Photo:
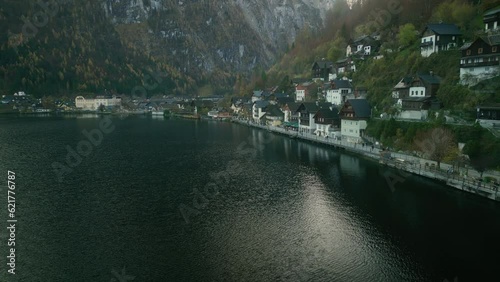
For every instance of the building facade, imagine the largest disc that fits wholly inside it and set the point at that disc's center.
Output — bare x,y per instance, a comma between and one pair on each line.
94,104
354,116
338,91
439,37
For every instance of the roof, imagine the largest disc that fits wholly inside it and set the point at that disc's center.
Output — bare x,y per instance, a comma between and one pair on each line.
291,124
416,99
280,95
429,78
258,93
360,107
293,106
361,38
444,29
313,107
492,11
304,86
341,83
341,61
261,104
466,45
274,111
492,40
489,106
300,80
327,113
284,100
323,64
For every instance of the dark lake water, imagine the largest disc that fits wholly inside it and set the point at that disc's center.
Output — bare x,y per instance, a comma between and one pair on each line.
260,207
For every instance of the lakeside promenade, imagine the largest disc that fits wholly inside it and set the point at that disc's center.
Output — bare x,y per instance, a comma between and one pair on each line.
466,179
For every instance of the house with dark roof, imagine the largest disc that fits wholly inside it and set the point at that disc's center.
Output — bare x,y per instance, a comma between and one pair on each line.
491,18
238,103
291,113
306,112
259,109
354,115
488,114
322,70
480,59
362,46
327,121
415,95
338,91
283,100
274,116
344,65
439,37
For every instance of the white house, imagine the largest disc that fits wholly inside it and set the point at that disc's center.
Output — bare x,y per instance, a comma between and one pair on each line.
365,45
353,116
302,91
439,37
338,91
259,110
94,104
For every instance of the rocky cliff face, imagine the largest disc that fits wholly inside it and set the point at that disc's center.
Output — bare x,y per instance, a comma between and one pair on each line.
208,34
201,41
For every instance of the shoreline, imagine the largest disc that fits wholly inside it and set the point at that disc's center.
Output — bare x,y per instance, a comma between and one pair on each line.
401,162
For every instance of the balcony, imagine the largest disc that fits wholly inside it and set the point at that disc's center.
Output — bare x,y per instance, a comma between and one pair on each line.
480,64
425,44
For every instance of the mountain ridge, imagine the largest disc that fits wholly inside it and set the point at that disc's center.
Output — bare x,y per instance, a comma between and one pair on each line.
112,44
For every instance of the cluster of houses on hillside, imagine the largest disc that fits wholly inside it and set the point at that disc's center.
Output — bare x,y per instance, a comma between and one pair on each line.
341,114
415,94
330,105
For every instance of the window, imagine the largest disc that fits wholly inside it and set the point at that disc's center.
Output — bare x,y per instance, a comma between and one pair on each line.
453,38
468,52
422,92
437,39
480,50
494,49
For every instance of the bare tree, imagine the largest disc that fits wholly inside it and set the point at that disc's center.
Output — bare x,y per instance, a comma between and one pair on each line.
435,144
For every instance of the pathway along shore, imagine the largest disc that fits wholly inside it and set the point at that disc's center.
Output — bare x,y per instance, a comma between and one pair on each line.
402,162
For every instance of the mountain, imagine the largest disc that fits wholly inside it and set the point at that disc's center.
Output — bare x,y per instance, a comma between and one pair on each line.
163,46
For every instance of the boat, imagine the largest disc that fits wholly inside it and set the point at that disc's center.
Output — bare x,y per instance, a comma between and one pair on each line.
158,113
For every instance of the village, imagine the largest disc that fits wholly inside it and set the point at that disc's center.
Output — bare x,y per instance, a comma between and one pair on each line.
326,104
328,107
330,104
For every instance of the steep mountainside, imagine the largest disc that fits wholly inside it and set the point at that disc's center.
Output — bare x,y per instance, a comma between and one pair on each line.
89,46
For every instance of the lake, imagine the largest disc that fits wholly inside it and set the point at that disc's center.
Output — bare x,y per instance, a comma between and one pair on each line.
153,199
